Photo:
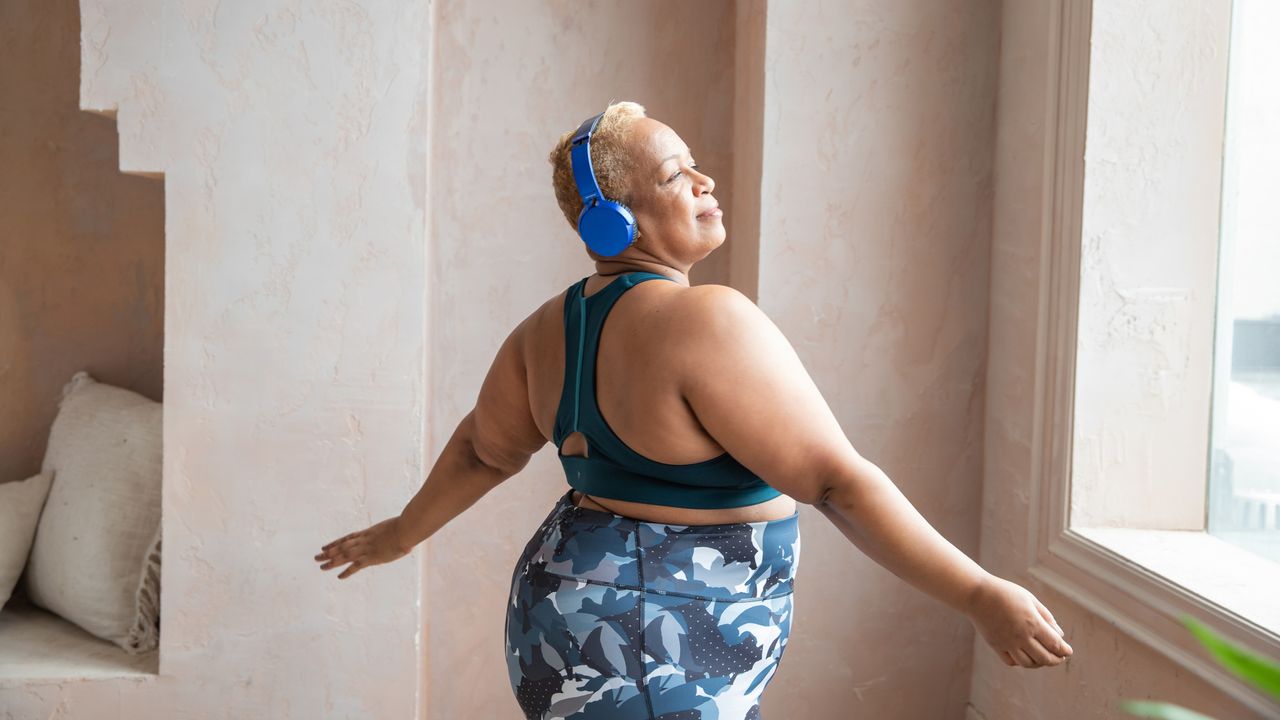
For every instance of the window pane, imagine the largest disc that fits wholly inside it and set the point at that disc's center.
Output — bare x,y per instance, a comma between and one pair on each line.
1244,478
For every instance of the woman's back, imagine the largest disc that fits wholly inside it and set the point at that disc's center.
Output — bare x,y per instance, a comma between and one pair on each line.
641,367
648,609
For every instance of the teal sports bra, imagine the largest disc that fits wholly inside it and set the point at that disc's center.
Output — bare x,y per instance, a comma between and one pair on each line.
614,470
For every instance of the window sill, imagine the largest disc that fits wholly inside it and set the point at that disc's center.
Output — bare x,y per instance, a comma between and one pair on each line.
1238,581
1143,582
38,646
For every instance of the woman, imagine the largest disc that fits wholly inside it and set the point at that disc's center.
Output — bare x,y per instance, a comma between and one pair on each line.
671,598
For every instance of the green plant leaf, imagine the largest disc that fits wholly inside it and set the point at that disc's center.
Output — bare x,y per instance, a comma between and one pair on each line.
1159,710
1256,669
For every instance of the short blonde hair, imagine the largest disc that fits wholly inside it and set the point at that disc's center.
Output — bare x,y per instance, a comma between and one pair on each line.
609,159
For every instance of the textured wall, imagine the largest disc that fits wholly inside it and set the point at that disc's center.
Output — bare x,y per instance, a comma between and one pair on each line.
875,223
1107,664
509,79
292,138
302,262
81,245
1149,263
750,18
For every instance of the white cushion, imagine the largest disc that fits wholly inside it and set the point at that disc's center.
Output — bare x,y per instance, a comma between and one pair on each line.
20,505
96,556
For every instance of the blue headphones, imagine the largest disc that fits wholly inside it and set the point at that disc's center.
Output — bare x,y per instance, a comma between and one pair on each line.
607,227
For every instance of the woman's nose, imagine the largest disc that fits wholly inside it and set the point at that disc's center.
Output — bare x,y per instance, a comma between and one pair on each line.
708,184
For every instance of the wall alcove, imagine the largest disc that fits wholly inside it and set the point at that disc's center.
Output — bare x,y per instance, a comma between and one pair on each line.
82,258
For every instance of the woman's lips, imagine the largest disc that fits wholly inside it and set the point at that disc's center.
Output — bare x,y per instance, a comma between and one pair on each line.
713,212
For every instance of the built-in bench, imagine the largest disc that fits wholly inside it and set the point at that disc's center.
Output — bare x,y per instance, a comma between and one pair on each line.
36,645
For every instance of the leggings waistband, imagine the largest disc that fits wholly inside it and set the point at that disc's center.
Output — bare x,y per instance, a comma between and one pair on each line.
729,561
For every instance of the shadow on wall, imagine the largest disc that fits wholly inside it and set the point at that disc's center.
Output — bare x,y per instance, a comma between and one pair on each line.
82,266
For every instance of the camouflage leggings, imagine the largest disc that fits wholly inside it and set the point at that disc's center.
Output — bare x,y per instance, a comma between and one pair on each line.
612,618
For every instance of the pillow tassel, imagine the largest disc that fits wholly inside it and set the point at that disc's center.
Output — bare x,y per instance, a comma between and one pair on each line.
145,633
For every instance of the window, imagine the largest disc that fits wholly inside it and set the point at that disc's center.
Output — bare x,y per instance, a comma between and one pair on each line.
1244,487
1159,161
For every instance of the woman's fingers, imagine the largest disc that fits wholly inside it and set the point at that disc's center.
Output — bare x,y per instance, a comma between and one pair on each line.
1040,654
345,538
374,545
348,545
1048,616
347,555
1008,659
341,546
335,542
341,561
1054,643
351,550
1036,652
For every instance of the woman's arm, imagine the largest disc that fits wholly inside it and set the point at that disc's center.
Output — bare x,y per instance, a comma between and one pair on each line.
876,517
493,442
457,480
751,393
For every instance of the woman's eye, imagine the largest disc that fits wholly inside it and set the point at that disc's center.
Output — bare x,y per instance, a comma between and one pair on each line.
678,173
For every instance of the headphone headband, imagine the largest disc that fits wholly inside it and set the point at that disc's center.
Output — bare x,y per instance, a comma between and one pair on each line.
583,173
606,226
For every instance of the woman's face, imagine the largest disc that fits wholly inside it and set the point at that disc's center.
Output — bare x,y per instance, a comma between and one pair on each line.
670,198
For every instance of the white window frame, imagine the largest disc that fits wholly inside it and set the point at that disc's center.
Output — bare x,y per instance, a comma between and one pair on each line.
1137,601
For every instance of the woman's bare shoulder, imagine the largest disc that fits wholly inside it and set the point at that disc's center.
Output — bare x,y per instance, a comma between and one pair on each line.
751,392
674,311
712,309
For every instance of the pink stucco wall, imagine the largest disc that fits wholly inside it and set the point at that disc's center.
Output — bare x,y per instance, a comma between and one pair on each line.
350,190
876,201
357,211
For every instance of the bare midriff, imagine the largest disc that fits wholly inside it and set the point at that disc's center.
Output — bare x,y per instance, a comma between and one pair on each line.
774,509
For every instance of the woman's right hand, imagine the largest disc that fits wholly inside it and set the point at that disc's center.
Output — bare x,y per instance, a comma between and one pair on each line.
1016,625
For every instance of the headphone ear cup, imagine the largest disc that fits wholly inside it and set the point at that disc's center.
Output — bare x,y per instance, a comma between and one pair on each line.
607,227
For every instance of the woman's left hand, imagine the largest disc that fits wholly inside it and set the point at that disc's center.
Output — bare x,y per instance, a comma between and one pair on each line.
375,545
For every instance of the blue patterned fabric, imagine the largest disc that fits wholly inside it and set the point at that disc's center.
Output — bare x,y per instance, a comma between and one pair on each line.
612,618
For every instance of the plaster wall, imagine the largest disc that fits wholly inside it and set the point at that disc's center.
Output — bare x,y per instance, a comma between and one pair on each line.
292,138
1107,664
875,202
81,245
323,328
748,146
